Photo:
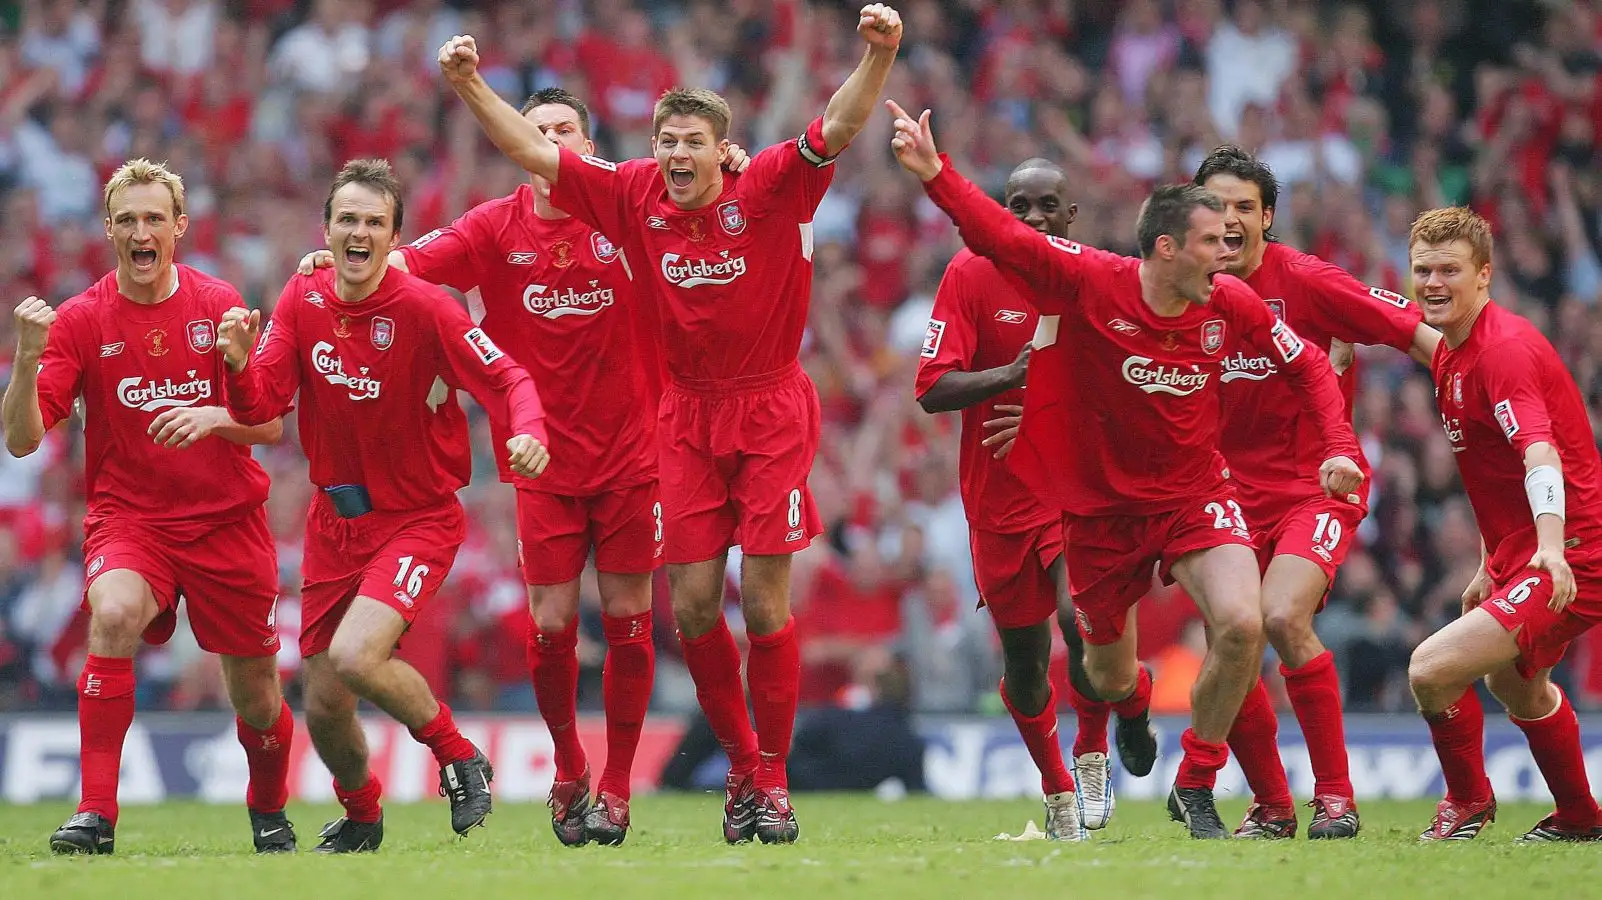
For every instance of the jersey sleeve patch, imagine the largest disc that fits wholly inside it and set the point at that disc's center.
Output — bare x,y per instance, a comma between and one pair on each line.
932,338
485,348
1285,341
1505,418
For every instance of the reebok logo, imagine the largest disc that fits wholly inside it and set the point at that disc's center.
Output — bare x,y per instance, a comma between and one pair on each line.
111,349
136,393
1009,316
690,273
1163,379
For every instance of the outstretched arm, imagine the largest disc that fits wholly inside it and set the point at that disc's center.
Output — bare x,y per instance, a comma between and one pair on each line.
852,104
517,137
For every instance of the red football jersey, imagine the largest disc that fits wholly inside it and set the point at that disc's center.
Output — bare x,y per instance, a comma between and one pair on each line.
734,278
130,362
376,377
560,298
1504,389
1133,428
980,321
1270,439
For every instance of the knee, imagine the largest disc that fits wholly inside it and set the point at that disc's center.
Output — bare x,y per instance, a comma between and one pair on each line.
1428,673
551,615
119,615
1025,671
260,704
1238,630
352,660
1111,677
695,613
1285,627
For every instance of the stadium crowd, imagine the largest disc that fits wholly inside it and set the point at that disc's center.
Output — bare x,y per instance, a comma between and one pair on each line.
1367,112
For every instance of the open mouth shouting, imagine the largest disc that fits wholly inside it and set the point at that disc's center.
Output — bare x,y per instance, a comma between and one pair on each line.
1233,241
681,176
144,259
1435,301
358,256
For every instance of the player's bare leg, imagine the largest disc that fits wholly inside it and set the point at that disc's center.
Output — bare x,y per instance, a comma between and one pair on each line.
362,653
341,744
266,729
626,694
1293,588
554,669
1113,672
1026,691
773,675
696,590
1224,583
121,605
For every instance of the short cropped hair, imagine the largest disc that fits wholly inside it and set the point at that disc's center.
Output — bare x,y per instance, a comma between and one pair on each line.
557,95
1167,211
143,171
1453,223
698,102
372,173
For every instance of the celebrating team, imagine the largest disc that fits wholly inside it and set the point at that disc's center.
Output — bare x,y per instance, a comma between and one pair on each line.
1181,378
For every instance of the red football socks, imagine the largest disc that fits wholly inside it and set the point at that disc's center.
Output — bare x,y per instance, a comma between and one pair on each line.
1203,759
1254,739
1039,733
362,804
105,710
1091,718
1138,701
553,666
442,737
1459,735
267,755
774,676
714,663
626,694
1555,744
1315,695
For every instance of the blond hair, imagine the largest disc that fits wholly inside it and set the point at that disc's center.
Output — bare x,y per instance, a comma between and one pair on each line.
1453,223
698,102
143,171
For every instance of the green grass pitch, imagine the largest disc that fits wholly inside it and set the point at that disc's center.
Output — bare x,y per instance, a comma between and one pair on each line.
851,846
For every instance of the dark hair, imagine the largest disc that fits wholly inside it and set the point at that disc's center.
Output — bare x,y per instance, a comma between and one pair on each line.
1232,160
1167,211
562,97
696,102
372,173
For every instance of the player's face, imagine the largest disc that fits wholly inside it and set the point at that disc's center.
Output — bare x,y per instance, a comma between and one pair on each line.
1450,288
561,124
689,157
1246,221
1038,198
1203,256
145,229
360,232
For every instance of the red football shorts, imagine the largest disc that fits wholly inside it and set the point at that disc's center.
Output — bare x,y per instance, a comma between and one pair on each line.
555,533
228,578
1013,572
397,558
1320,530
1519,602
736,456
1110,558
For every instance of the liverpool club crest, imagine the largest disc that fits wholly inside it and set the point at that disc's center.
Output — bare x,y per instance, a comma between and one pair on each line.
202,335
731,218
383,332
604,249
1212,336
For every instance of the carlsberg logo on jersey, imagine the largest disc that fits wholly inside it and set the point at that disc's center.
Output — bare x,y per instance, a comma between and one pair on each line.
568,302
149,396
1161,379
1251,368
332,368
695,272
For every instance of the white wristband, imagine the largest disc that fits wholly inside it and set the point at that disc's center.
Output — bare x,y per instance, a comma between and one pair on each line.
1544,486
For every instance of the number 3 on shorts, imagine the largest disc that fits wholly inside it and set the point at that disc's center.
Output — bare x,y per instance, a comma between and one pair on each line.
413,585
656,513
795,509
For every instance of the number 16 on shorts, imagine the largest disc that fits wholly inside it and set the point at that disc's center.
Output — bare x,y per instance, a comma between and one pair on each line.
409,577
